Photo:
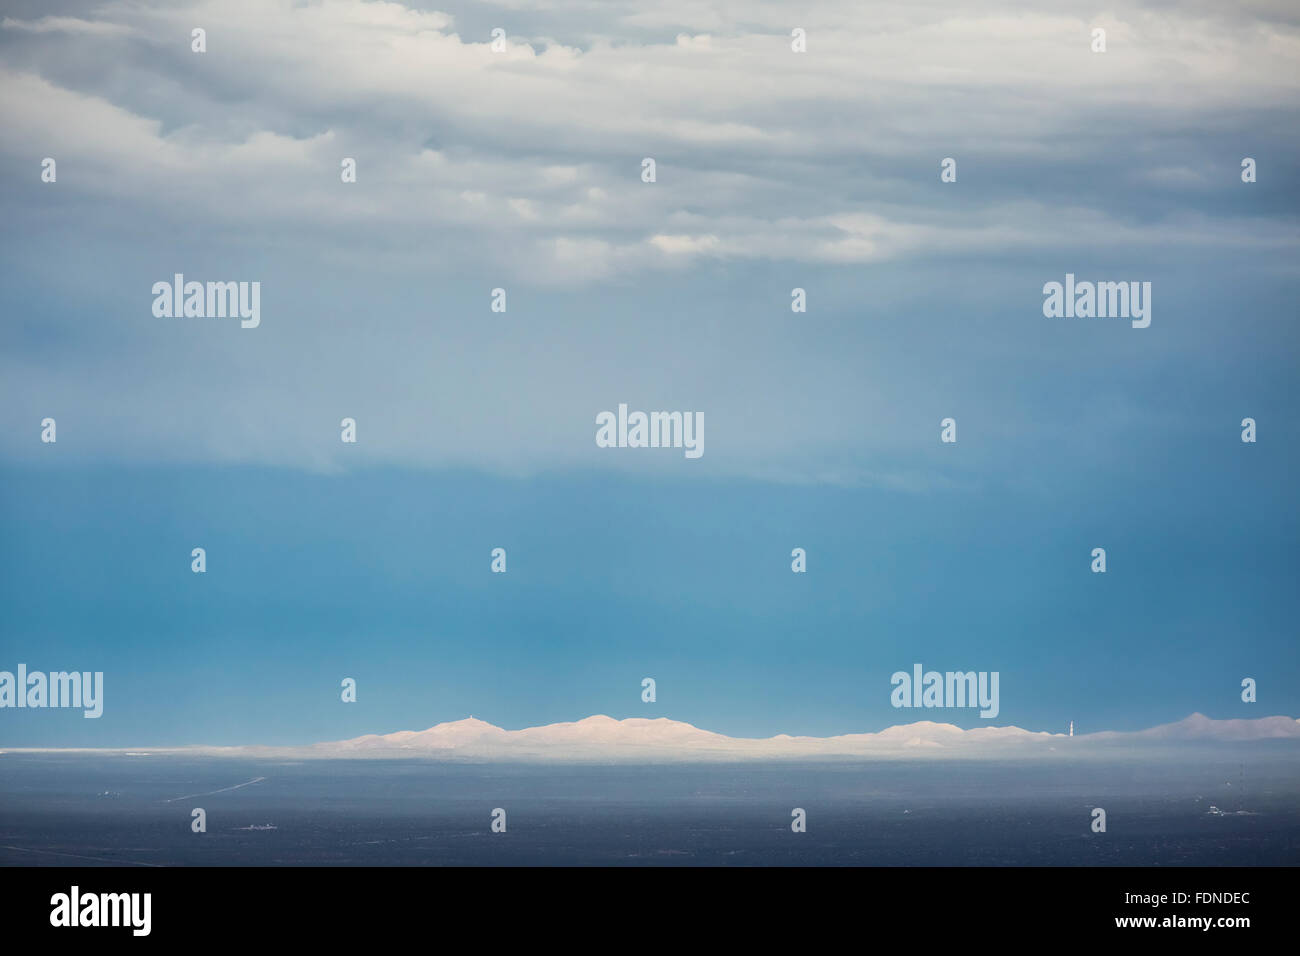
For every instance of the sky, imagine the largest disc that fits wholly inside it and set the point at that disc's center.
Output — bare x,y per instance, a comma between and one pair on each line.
522,170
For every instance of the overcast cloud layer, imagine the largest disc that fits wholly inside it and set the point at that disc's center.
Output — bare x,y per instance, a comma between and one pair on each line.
521,169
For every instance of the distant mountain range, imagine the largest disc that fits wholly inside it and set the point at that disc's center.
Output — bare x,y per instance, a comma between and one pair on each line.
661,739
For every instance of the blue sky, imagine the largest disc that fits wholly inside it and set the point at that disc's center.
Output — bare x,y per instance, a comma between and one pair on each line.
476,429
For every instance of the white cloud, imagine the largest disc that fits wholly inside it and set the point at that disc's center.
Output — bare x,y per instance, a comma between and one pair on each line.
523,169
65,25
768,153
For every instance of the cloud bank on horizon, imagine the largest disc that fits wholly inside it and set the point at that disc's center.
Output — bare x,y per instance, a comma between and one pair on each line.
600,737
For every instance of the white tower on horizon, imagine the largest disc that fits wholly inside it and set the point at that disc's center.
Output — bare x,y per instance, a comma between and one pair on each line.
1071,728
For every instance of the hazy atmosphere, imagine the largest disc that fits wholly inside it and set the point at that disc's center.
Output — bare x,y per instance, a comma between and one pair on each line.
522,169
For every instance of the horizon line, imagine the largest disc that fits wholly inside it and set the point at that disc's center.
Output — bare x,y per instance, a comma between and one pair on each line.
1196,718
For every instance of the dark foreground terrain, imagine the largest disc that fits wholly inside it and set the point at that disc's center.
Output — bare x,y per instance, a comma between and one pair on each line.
67,809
